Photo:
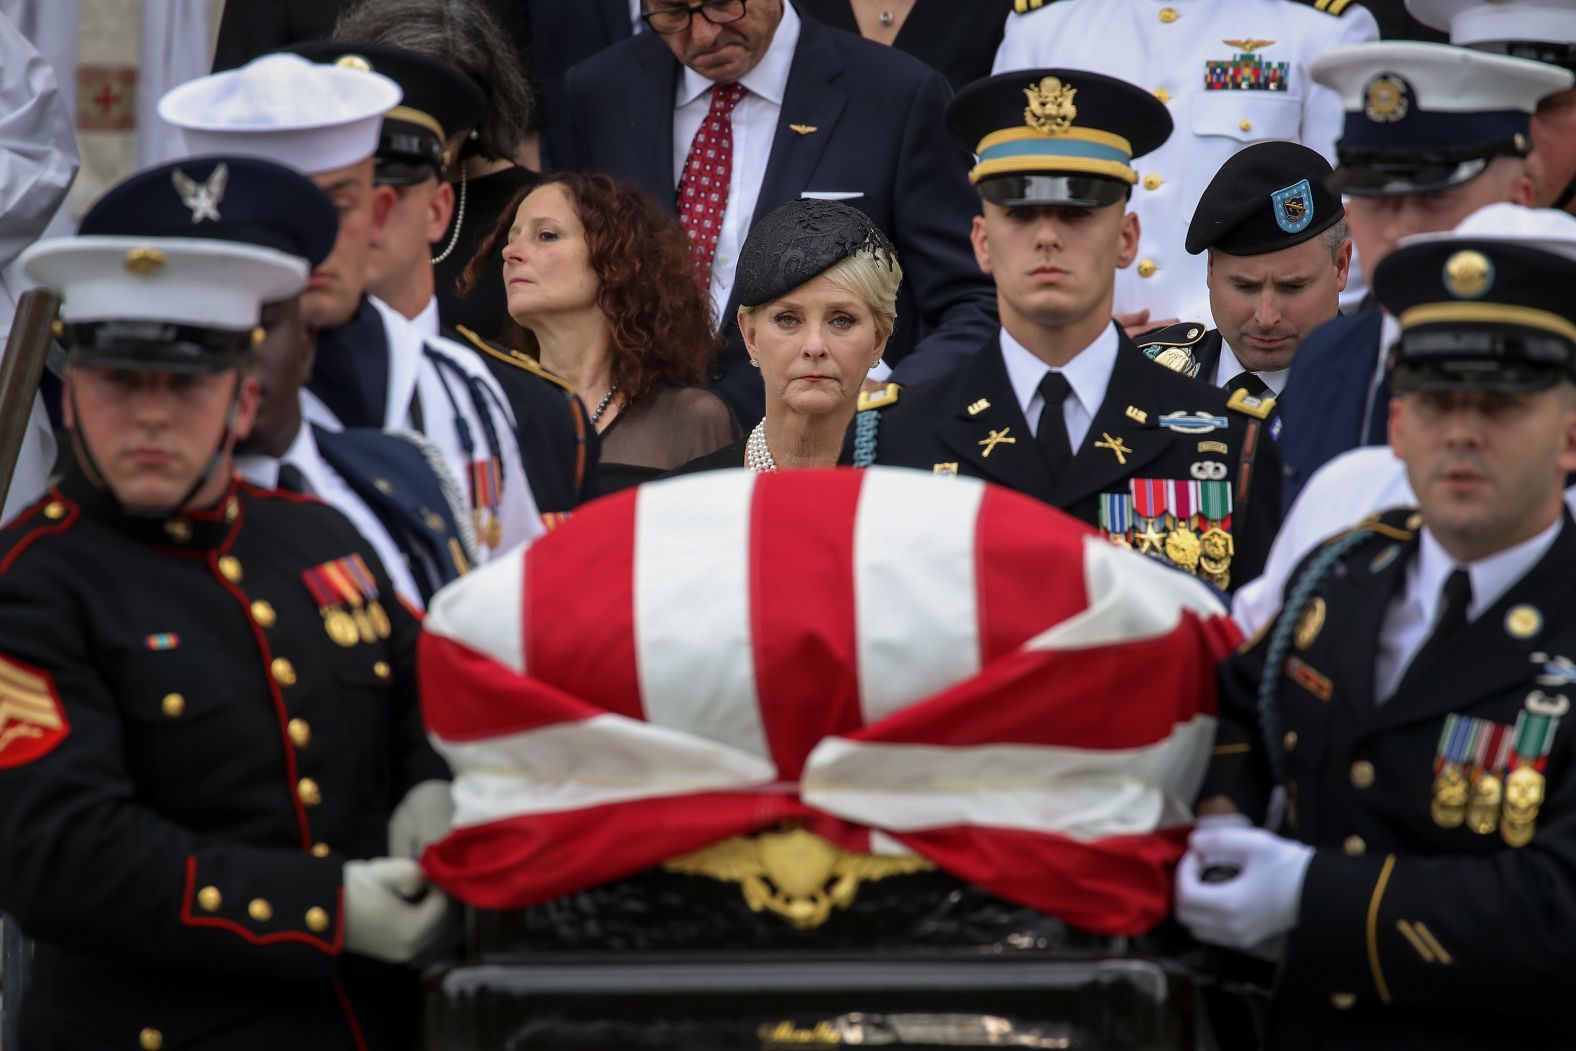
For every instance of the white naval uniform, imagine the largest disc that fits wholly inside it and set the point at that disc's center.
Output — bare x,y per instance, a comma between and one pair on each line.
413,375
326,484
1165,46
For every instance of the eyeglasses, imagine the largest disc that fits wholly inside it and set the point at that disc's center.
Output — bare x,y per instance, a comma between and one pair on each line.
677,19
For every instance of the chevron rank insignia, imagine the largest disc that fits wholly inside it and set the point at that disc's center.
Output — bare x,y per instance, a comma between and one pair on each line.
32,722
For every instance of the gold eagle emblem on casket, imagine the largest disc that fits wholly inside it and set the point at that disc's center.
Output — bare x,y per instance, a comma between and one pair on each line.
793,872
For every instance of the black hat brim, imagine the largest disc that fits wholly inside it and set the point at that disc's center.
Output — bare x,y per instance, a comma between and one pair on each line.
1048,190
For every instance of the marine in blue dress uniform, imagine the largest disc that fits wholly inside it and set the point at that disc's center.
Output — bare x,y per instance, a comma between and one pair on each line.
1412,699
208,719
1433,132
1164,463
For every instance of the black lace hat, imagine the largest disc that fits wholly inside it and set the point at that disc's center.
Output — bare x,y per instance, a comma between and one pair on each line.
800,241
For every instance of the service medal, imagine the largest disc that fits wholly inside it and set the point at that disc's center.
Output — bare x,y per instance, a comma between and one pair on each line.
1182,548
1483,808
1524,793
380,620
340,627
364,625
1449,808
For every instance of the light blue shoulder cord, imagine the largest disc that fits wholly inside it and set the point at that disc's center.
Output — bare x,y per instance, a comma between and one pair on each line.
1297,600
865,425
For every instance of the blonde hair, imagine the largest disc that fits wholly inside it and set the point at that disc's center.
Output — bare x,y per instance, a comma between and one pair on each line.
869,273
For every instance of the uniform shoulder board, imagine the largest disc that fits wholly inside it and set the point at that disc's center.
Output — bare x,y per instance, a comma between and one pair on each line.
1330,7
1028,7
513,357
1245,403
1187,334
879,399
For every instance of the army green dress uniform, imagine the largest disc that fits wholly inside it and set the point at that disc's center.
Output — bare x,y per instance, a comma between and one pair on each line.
1170,465
1436,908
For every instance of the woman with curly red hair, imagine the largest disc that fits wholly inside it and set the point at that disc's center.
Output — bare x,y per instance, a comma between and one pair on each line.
601,288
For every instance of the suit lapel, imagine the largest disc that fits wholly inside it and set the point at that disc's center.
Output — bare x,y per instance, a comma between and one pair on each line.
1490,658
646,100
809,101
1096,467
1209,358
1366,594
988,431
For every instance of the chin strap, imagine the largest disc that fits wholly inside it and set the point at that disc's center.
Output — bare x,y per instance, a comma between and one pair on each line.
79,442
1564,199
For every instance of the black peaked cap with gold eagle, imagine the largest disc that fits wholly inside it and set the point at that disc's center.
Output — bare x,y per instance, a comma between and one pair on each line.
1056,136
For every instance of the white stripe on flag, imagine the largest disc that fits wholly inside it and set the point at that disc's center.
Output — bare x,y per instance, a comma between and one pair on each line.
1131,597
606,759
915,597
1081,793
693,648
482,610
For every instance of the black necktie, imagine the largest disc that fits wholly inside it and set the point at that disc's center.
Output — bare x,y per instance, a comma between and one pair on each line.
1051,436
1454,599
1247,381
291,480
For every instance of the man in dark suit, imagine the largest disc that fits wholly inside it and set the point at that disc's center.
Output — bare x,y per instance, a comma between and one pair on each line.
1412,699
1432,134
802,110
561,36
1060,404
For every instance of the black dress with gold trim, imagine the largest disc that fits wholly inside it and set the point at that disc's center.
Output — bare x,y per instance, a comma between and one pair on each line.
1436,907
1171,466
202,717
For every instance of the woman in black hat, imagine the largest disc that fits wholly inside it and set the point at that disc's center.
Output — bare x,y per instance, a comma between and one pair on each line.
817,284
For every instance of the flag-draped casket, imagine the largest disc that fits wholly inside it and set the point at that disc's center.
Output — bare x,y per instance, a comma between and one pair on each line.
890,670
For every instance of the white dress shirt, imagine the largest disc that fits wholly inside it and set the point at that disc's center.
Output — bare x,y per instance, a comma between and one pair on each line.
426,322
326,484
1229,368
1088,374
1412,614
754,126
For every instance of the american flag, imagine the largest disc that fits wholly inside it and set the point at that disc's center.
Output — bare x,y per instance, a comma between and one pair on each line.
899,662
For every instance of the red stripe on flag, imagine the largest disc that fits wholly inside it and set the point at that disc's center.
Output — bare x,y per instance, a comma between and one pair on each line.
798,710
580,626
467,696
1021,580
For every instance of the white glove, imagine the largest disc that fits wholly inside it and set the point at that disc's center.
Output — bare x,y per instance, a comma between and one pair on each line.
422,818
381,919
1257,904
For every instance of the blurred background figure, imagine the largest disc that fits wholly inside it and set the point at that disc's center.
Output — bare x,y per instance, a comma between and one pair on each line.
1232,73
818,284
602,292
958,41
562,36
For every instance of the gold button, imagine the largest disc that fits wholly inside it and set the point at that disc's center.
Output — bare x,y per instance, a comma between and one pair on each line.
178,530
232,509
263,613
382,670
1290,741
316,920
150,1040
320,850
1414,520
283,672
1246,125
1354,845
260,910
1169,15
308,792
1147,268
1152,182
1343,1001
54,510
209,899
1362,774
230,566
300,733
174,705
1163,95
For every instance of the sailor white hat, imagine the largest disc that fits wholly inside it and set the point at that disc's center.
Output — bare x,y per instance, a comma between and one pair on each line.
196,282
1472,22
1550,229
283,108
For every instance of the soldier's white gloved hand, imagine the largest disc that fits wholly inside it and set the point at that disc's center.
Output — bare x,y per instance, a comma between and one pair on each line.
422,818
1258,903
384,918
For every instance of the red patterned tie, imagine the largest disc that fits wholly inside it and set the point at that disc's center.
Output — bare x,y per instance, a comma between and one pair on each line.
703,189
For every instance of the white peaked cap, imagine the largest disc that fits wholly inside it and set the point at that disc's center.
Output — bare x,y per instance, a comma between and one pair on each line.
285,109
1485,21
201,282
1447,79
1546,228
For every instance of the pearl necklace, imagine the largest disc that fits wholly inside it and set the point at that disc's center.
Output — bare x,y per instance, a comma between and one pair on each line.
459,221
757,457
601,406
